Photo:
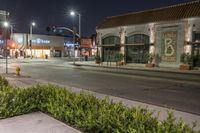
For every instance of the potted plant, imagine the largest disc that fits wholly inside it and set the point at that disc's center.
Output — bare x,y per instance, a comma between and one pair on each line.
186,60
97,59
149,58
119,57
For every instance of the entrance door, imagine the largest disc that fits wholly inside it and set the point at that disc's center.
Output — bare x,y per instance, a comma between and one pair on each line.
109,53
196,54
136,53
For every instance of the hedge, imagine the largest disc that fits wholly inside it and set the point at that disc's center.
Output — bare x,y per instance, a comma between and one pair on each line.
84,111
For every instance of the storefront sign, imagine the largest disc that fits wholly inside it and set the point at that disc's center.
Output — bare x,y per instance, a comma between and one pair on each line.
86,43
169,44
70,43
40,41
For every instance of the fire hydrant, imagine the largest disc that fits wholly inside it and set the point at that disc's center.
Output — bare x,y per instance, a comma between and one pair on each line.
18,71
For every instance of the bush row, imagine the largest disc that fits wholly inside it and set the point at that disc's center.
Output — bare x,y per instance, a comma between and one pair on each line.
84,111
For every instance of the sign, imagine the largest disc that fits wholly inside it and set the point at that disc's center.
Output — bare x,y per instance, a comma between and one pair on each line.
169,44
70,43
86,43
40,41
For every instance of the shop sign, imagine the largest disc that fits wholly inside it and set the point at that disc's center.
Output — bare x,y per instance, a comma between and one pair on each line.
86,42
40,41
169,44
70,43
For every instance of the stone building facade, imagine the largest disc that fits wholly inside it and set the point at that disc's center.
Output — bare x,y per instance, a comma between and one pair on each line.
166,33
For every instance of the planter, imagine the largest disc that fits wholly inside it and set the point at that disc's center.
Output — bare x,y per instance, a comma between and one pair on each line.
185,67
98,62
150,65
120,63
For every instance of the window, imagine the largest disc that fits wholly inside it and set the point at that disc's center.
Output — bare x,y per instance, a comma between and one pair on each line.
137,38
111,40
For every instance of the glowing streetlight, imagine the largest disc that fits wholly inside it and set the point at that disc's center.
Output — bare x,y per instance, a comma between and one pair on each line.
73,13
6,25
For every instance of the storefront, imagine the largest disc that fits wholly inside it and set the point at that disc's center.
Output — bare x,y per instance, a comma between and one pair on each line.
85,47
164,33
40,46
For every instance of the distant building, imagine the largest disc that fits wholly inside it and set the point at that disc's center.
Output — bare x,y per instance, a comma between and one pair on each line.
42,46
3,17
166,32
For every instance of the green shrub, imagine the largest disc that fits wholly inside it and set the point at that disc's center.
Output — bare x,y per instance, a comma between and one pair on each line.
85,111
3,82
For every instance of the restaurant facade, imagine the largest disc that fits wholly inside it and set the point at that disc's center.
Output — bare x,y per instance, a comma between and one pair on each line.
166,33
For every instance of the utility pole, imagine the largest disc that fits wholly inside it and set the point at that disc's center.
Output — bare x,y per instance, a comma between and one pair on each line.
74,39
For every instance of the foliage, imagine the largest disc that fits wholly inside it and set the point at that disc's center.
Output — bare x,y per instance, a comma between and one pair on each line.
149,57
3,82
97,58
85,111
186,58
119,57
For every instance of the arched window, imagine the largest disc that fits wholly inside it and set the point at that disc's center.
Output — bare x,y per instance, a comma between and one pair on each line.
111,40
137,38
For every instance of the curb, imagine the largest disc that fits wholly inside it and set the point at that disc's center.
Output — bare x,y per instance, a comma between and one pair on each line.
181,76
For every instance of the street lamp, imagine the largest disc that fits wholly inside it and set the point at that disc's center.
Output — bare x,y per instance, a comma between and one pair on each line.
73,13
6,25
31,34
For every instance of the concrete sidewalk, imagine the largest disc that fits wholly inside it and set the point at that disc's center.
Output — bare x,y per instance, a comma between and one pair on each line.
34,123
186,117
139,67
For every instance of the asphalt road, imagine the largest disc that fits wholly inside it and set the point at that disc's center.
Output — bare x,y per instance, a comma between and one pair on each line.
168,93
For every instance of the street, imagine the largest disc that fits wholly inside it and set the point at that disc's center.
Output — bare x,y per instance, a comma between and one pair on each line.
174,94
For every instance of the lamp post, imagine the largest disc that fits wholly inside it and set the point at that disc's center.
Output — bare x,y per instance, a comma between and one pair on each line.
6,25
73,13
31,34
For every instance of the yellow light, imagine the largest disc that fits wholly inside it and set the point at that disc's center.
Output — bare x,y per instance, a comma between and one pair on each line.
13,45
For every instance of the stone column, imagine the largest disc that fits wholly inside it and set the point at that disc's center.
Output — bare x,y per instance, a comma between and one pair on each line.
122,40
99,43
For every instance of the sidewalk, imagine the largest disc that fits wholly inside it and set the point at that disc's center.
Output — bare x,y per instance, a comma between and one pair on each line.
170,74
186,117
137,67
37,122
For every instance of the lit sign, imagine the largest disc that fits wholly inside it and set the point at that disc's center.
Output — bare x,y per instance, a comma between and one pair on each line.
20,40
69,43
40,41
1,41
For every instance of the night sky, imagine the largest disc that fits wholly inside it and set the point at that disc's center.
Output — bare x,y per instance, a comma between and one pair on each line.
56,12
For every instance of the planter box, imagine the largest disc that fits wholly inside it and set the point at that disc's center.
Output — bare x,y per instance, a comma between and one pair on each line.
120,63
98,62
149,65
185,67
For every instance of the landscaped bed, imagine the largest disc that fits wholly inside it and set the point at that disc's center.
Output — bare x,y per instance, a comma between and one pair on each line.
84,111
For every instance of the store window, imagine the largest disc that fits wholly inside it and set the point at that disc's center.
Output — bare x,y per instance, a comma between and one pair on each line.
136,48
196,49
111,40
109,52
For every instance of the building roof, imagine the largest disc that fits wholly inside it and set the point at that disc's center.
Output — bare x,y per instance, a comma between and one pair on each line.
175,12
